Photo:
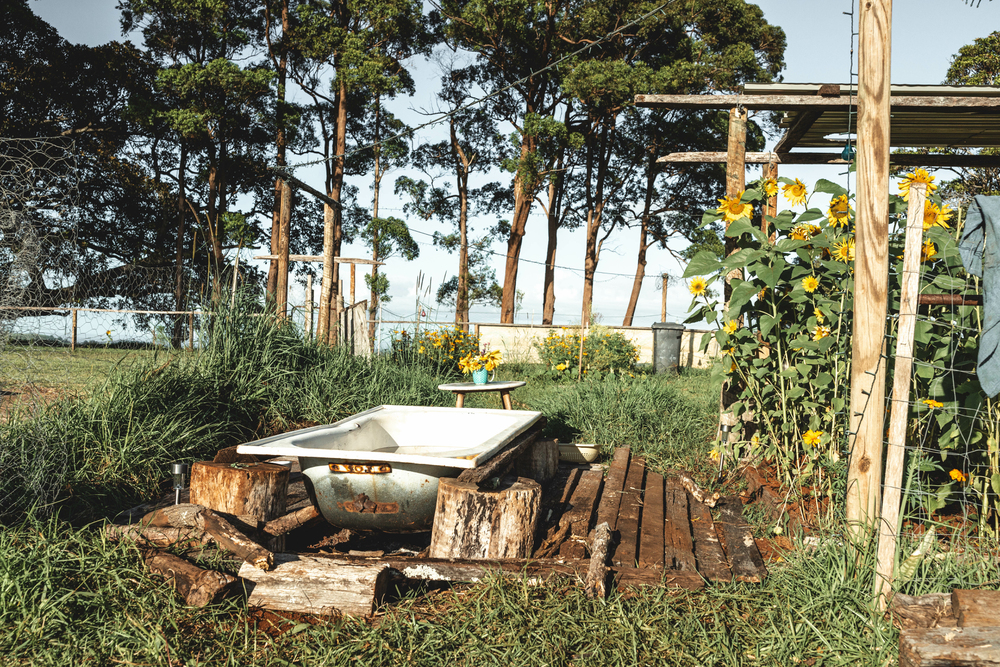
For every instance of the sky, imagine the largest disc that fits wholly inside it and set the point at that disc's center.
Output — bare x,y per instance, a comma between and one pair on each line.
926,35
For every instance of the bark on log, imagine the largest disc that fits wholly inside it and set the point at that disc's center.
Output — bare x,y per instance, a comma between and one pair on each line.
598,571
956,647
499,465
317,585
258,490
976,609
230,539
539,461
475,523
924,611
696,491
291,521
198,587
153,536
744,558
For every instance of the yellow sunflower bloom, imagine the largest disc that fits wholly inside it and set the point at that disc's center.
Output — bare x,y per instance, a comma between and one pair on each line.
811,437
804,232
697,286
931,403
821,331
810,283
958,476
732,209
770,187
795,192
820,318
839,213
936,215
927,252
844,250
730,327
918,176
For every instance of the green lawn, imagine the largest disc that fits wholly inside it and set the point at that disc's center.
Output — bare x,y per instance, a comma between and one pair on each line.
68,372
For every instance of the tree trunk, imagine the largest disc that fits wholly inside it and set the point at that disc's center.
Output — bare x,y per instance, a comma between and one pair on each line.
640,269
280,144
257,490
523,198
553,215
176,338
462,166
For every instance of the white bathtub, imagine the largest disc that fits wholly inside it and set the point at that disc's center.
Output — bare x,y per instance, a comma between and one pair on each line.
379,469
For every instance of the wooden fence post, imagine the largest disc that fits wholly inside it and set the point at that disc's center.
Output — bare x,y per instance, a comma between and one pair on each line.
871,268
284,230
891,489
323,325
72,338
191,331
309,307
663,300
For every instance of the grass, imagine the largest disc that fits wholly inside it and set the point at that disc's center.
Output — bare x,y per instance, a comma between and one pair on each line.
69,597
55,367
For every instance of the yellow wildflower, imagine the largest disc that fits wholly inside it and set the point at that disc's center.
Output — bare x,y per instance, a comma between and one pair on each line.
958,476
931,403
936,215
811,437
927,252
730,327
839,213
821,331
820,318
804,232
561,367
770,187
918,176
795,192
844,250
715,454
697,286
732,209
810,283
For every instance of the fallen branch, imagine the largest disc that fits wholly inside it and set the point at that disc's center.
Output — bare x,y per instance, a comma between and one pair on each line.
198,587
230,539
598,571
153,536
696,491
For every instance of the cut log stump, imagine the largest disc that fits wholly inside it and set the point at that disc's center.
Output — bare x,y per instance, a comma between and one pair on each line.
198,587
539,461
475,523
258,490
957,647
317,585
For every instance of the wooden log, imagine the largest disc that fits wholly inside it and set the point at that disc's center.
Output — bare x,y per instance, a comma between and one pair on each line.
950,299
628,515
597,572
976,609
898,159
708,552
678,547
955,647
744,558
539,461
257,490
699,494
230,455
183,515
607,509
151,536
578,517
923,611
939,103
230,539
198,587
652,532
291,521
317,585
498,466
472,523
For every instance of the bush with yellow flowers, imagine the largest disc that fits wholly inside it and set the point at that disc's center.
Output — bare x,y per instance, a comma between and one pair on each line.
604,351
439,349
786,337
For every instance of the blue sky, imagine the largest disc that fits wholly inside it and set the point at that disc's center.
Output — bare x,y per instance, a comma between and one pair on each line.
926,34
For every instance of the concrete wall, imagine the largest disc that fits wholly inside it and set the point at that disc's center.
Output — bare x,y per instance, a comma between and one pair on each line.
516,342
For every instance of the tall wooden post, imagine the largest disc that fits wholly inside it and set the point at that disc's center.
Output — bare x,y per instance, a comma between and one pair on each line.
72,336
736,171
892,490
663,300
326,289
309,307
871,268
770,203
284,231
352,284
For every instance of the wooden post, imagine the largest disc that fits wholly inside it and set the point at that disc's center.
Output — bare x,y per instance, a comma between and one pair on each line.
309,308
284,230
258,490
771,203
323,324
72,335
353,301
900,392
736,169
871,268
191,331
663,300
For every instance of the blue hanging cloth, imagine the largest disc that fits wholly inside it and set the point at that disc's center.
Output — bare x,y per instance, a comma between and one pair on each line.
980,251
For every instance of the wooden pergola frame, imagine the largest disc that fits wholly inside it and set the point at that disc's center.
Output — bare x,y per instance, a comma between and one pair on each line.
976,114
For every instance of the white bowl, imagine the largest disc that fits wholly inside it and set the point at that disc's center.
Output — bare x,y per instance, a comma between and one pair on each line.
579,453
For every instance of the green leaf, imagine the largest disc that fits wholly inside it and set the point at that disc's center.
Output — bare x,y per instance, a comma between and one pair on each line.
810,215
741,258
738,228
704,263
995,482
949,283
829,187
822,379
771,274
767,323
743,291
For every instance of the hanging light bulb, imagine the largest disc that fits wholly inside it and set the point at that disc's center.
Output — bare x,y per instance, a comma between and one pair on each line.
848,152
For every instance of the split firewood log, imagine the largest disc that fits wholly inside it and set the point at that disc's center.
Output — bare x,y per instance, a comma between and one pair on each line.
198,587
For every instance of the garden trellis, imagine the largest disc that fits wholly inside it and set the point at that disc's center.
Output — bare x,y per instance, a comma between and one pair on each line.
922,117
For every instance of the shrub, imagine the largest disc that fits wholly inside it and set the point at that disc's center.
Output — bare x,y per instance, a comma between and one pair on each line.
438,350
604,351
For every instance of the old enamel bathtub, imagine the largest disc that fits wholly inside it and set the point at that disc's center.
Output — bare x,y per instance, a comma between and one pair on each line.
379,469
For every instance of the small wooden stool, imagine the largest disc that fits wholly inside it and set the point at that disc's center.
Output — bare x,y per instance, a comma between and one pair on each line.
460,389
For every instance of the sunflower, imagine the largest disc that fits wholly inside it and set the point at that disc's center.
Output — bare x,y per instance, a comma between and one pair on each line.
732,209
936,215
730,327
839,212
918,176
811,437
820,318
927,252
770,187
810,283
795,192
804,232
844,250
958,476
697,286
821,331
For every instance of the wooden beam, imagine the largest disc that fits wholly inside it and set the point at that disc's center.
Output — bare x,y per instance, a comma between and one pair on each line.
942,103
311,190
802,123
871,269
902,374
319,258
898,159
